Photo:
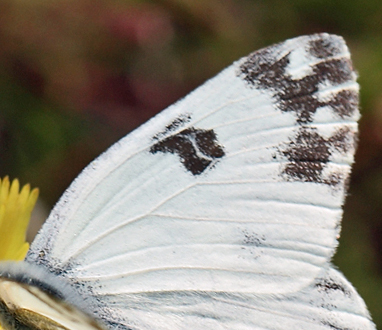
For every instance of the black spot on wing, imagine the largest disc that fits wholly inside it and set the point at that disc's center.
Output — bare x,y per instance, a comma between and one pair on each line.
299,97
178,122
197,149
308,153
253,243
332,326
336,71
323,47
264,69
328,285
117,325
345,103
253,239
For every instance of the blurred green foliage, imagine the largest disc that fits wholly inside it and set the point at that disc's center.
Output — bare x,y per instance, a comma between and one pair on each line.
76,75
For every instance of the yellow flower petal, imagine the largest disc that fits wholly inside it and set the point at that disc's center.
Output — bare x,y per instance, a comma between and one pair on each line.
15,210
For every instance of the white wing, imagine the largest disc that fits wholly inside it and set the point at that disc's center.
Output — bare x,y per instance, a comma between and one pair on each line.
237,189
329,302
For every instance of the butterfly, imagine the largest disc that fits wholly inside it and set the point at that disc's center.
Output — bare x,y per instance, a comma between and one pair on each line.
221,212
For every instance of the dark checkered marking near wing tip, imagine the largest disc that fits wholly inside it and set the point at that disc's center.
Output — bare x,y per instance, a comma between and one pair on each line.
324,47
197,149
308,153
264,70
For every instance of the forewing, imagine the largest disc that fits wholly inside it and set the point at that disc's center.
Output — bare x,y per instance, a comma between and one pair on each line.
237,188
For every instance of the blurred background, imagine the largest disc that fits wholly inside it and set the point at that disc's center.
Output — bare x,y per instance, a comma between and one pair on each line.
77,75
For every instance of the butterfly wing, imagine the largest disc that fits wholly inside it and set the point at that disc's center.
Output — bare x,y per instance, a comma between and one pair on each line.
235,189
329,302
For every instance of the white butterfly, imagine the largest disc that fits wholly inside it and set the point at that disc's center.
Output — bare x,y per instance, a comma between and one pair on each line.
222,212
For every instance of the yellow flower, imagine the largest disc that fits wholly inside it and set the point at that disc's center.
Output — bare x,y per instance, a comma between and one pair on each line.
15,211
